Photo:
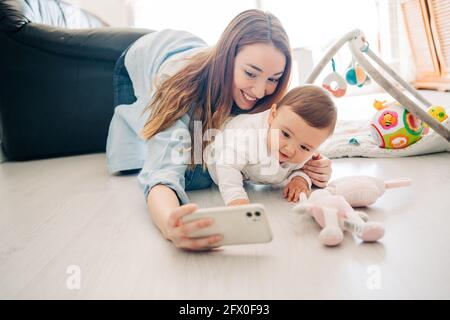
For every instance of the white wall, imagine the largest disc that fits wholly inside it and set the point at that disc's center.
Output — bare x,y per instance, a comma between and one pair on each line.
117,13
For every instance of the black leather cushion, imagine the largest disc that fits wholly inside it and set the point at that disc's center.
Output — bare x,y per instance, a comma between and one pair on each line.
56,92
99,43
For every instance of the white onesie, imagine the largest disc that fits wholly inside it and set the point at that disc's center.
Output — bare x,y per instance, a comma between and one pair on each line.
239,152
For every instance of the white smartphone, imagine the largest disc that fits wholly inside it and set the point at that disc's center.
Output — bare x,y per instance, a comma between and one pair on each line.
243,224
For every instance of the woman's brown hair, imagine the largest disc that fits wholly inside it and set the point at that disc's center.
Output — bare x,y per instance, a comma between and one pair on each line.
313,104
205,84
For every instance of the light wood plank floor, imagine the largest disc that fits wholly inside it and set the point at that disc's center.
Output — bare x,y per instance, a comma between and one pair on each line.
64,212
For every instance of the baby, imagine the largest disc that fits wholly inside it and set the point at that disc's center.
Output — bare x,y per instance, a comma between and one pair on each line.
271,147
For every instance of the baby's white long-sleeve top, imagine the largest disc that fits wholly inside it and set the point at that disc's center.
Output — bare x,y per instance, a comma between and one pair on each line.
240,152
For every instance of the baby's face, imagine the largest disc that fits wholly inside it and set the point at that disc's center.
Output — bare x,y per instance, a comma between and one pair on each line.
290,138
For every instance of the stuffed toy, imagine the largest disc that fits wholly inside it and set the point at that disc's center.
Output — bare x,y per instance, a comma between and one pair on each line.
332,207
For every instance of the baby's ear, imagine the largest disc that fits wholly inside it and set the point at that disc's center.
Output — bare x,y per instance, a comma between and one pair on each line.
273,112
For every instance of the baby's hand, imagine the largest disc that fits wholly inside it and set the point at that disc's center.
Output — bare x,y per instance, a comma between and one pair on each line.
293,189
238,202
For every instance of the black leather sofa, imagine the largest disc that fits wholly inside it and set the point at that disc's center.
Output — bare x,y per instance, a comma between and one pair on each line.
56,68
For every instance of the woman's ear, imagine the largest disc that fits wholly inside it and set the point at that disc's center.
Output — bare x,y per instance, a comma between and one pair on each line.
272,113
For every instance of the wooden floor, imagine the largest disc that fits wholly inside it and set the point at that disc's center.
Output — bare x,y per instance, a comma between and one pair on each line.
64,220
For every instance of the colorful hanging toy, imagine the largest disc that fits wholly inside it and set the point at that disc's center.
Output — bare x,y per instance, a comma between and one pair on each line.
356,76
394,127
337,85
334,83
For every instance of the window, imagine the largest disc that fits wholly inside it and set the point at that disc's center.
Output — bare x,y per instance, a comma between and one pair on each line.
311,25
319,23
206,19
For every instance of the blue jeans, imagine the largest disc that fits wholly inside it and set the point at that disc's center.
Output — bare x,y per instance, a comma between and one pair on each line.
123,87
195,178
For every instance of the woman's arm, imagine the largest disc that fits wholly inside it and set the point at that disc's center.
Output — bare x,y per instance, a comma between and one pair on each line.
161,202
162,178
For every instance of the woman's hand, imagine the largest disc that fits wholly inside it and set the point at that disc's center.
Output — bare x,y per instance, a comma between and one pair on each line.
319,170
178,232
293,189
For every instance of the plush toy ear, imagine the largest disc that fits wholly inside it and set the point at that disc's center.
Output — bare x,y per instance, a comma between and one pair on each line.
303,208
303,197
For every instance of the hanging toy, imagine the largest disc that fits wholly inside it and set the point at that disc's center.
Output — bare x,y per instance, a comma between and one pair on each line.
436,112
355,75
335,83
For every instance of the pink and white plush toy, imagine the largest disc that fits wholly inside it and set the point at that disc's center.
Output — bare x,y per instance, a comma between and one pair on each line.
332,207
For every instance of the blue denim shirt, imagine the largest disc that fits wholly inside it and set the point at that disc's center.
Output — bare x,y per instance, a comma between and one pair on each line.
135,71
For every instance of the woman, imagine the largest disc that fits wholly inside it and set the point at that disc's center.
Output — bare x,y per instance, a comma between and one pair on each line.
169,79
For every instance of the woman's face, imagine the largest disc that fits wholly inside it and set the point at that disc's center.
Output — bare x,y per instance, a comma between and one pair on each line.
257,70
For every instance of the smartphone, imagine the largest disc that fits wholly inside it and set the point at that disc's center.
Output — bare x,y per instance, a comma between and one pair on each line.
237,224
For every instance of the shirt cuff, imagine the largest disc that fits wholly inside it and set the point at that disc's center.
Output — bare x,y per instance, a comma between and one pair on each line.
231,195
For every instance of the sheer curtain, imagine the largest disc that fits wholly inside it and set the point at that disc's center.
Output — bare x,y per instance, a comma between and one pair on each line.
394,46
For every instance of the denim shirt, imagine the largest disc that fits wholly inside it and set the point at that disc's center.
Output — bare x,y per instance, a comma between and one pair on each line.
134,79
